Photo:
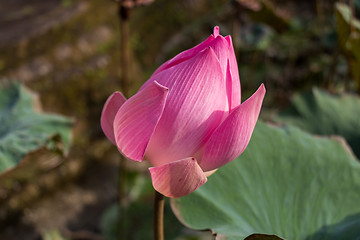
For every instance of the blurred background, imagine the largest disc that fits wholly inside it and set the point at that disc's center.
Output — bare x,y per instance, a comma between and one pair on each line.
71,53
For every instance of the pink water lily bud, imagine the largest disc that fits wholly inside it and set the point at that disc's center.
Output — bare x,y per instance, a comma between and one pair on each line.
187,119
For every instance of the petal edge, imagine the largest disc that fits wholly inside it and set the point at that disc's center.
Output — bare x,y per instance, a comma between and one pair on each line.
232,77
111,107
178,178
231,138
136,120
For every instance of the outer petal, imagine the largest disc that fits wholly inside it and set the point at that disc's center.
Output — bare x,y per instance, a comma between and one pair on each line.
233,80
111,107
195,107
233,135
179,178
183,56
136,120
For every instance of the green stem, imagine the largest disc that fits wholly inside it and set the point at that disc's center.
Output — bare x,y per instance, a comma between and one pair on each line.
122,198
158,223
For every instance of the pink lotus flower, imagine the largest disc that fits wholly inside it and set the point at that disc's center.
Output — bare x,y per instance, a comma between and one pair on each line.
187,119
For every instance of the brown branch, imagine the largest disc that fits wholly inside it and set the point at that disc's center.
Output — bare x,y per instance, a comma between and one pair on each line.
124,17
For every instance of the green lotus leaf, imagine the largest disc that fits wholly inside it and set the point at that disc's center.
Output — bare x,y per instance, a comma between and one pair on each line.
321,113
23,128
286,183
348,32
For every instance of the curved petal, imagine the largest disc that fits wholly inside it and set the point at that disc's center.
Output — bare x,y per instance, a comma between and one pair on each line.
195,107
177,179
111,107
233,79
183,56
230,139
136,120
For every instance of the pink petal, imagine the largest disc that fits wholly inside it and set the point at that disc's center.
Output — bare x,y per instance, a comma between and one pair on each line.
221,49
195,107
185,55
233,135
233,80
111,107
216,31
179,178
136,120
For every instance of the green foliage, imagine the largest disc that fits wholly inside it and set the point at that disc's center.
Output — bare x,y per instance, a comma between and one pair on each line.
287,183
298,58
23,129
257,37
320,113
345,23
53,235
138,223
268,14
138,213
348,30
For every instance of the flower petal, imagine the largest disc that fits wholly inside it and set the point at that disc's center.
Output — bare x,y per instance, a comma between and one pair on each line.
185,55
179,178
230,139
195,107
111,107
233,79
221,49
136,120
216,31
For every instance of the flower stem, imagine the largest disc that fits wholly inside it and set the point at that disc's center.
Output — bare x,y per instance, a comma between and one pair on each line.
158,223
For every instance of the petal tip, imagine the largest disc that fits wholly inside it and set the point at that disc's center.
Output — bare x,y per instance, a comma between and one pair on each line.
229,41
262,86
262,89
216,31
232,137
